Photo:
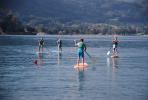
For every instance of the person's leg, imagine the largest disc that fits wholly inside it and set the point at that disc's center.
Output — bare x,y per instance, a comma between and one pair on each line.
39,48
116,52
113,51
42,48
78,60
60,48
82,58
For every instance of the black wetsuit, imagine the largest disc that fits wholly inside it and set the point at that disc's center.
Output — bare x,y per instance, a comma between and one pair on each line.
41,42
59,43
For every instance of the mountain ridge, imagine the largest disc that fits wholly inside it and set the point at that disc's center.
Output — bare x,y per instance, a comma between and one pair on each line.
92,11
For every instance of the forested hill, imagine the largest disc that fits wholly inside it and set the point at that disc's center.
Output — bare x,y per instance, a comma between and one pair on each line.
28,15
94,11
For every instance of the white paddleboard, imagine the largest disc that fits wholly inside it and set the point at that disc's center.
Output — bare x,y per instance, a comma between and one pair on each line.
39,52
56,51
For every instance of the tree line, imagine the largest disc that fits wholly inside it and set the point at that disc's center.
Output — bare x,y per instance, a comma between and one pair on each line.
9,24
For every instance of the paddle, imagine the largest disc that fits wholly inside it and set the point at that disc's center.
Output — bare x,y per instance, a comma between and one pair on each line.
93,60
108,53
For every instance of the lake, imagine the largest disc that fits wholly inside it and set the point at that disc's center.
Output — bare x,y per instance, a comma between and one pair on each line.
54,78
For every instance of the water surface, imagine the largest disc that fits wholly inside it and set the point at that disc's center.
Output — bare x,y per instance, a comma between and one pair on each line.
54,78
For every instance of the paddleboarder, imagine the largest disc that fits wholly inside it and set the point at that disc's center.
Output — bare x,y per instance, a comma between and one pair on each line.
41,44
59,44
81,49
115,45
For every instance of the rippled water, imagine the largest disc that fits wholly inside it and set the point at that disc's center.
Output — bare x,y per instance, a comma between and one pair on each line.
54,78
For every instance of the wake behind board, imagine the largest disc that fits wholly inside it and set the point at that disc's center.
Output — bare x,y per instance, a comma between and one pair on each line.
115,56
80,65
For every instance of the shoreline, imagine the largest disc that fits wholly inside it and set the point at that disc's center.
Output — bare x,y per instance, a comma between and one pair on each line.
68,35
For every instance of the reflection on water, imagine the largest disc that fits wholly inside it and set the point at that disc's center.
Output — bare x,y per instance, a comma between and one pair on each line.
40,58
59,57
80,79
112,65
93,67
108,62
112,62
56,79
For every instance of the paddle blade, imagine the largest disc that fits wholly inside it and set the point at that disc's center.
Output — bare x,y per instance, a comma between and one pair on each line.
108,53
93,60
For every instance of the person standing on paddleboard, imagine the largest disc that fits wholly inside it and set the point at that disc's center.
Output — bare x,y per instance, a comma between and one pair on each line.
59,44
41,44
81,50
115,44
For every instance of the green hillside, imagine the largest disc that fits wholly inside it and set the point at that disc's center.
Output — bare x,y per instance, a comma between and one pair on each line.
57,13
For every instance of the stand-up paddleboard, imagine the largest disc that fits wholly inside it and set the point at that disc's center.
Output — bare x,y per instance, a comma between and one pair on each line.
114,56
56,51
81,65
39,52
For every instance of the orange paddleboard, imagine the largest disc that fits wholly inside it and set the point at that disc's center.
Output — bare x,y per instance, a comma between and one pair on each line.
81,65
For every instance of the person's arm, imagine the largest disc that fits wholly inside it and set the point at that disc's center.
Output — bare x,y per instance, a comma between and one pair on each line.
75,43
113,41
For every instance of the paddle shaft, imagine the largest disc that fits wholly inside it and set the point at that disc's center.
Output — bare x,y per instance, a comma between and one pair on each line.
90,57
88,54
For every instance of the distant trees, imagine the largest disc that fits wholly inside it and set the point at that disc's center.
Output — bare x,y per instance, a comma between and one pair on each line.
9,24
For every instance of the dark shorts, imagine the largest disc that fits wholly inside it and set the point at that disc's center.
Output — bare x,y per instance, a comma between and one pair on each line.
80,53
